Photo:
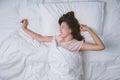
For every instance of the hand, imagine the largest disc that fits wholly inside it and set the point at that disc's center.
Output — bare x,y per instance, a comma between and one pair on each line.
84,27
24,23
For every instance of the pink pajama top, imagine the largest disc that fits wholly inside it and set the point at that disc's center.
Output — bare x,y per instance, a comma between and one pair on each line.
72,45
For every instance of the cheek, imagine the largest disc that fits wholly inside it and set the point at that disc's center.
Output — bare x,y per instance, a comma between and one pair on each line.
65,32
68,31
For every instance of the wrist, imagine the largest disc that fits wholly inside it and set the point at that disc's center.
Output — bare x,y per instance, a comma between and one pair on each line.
89,29
23,27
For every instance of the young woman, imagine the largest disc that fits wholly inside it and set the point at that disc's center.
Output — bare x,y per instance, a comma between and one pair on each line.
69,34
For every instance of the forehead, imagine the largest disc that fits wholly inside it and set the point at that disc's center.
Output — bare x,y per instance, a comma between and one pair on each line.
64,24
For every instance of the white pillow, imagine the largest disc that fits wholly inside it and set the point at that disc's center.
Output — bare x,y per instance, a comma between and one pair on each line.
90,13
63,0
112,17
30,10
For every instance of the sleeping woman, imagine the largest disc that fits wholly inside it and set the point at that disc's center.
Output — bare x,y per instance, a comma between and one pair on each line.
69,32
70,39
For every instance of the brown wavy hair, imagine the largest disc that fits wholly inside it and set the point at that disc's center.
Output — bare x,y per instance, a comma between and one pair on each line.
73,24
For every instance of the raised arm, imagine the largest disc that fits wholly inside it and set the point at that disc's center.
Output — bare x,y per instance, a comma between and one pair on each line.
98,45
33,34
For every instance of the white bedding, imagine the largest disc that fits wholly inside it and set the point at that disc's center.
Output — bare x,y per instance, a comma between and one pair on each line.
20,55
22,60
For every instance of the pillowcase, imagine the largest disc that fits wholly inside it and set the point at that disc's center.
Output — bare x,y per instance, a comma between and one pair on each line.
30,10
64,0
90,13
112,17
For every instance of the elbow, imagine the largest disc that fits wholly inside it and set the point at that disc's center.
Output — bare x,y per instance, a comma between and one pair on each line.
102,47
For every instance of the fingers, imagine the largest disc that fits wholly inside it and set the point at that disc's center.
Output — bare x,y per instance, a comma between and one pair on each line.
81,28
24,21
83,25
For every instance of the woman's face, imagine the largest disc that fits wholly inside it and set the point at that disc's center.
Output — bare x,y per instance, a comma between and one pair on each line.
64,30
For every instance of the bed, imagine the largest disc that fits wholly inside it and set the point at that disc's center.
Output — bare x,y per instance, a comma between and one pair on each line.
19,53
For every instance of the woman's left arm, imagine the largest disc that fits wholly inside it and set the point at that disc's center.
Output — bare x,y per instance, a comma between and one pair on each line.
98,45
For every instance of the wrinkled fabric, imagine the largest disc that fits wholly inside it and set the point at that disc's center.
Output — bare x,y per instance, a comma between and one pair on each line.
23,58
64,64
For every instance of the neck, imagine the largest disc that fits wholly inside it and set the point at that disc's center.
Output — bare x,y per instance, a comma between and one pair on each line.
68,38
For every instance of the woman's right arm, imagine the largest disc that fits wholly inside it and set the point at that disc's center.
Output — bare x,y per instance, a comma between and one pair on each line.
98,45
33,34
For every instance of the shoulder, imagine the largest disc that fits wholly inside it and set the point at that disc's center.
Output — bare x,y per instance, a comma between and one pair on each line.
58,38
81,42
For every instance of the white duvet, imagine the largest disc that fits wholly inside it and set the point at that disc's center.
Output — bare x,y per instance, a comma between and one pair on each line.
22,60
64,65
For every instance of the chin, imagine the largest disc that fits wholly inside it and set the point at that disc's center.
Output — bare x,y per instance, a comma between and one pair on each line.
63,36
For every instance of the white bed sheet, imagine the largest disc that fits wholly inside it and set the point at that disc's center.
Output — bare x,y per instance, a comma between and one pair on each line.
98,65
